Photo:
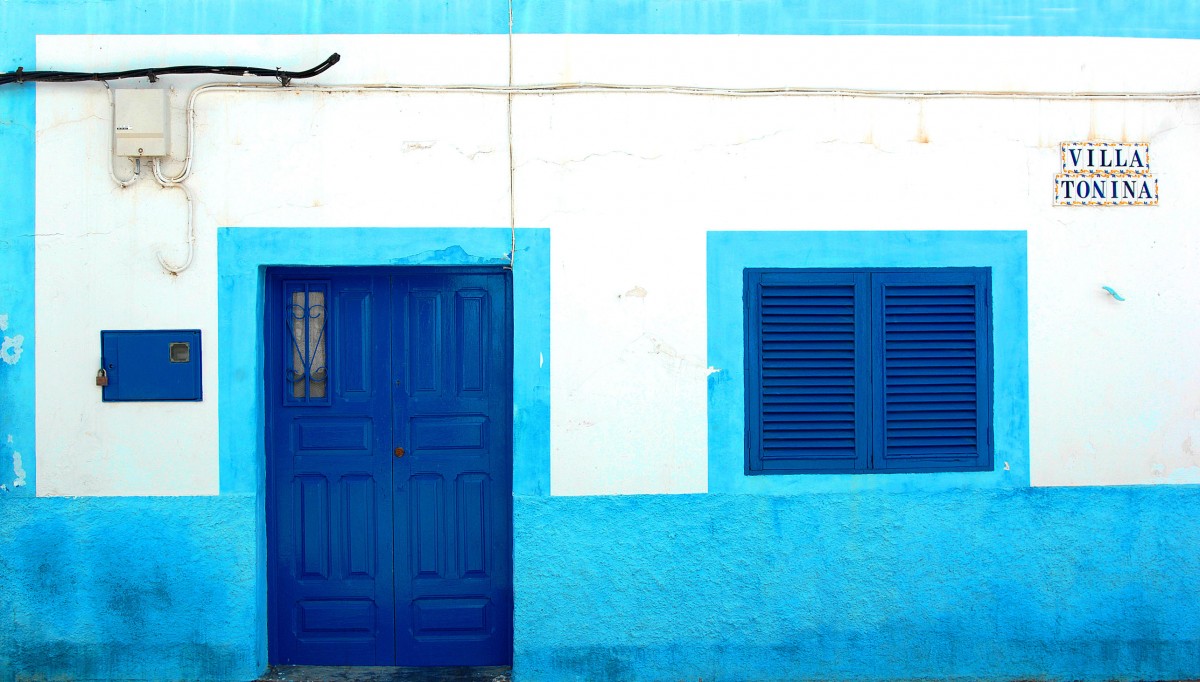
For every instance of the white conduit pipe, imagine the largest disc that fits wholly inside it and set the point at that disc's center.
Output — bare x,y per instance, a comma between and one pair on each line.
509,91
191,231
601,88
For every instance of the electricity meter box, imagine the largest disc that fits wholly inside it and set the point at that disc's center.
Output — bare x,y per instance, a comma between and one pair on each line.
141,123
151,364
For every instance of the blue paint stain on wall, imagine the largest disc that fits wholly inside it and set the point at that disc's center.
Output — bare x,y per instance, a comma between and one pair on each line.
128,588
1045,583
731,252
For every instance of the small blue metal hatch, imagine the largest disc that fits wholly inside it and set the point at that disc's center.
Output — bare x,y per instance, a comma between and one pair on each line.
151,364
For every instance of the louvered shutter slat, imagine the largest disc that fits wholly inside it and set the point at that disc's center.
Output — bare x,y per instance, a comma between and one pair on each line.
856,370
806,345
821,341
930,398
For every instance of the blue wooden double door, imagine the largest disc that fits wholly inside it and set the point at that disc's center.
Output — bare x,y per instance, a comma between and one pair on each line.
389,422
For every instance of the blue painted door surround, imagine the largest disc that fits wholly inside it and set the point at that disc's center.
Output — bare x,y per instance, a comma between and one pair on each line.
389,403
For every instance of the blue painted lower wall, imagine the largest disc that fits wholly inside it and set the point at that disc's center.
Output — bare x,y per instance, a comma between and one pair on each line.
1085,583
128,588
1056,583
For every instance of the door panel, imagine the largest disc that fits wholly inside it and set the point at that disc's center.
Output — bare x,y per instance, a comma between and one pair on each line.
379,559
454,598
330,472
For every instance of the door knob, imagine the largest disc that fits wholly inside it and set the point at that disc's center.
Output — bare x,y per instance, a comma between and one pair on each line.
399,452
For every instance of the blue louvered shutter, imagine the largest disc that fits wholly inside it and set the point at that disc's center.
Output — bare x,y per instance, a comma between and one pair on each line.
807,362
931,370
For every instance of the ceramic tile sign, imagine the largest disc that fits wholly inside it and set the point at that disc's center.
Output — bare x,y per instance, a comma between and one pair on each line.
1105,174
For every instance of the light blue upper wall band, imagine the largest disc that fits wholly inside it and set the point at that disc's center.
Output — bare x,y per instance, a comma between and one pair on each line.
1161,19
242,253
20,20
729,253
280,17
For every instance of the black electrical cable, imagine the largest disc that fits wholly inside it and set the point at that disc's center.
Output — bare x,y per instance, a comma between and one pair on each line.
285,77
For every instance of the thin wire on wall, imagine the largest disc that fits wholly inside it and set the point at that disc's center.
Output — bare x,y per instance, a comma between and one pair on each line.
583,88
510,91
512,168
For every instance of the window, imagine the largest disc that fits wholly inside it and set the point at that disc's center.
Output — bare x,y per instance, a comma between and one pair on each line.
305,316
860,371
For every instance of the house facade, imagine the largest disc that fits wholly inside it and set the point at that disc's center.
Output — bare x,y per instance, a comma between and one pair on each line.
634,339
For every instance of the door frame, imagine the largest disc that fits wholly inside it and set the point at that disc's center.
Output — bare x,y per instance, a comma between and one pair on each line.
270,276
242,256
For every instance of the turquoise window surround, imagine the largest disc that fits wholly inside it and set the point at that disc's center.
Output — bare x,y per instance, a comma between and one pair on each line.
730,252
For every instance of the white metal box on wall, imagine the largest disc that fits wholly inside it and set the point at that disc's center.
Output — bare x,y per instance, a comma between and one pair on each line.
141,123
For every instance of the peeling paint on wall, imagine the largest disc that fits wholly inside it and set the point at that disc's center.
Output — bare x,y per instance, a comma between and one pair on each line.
452,255
10,350
1185,475
18,470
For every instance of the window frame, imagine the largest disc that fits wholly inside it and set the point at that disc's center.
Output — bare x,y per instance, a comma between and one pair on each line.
868,396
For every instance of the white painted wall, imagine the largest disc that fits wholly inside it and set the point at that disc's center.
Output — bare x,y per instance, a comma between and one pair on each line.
629,185
261,160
